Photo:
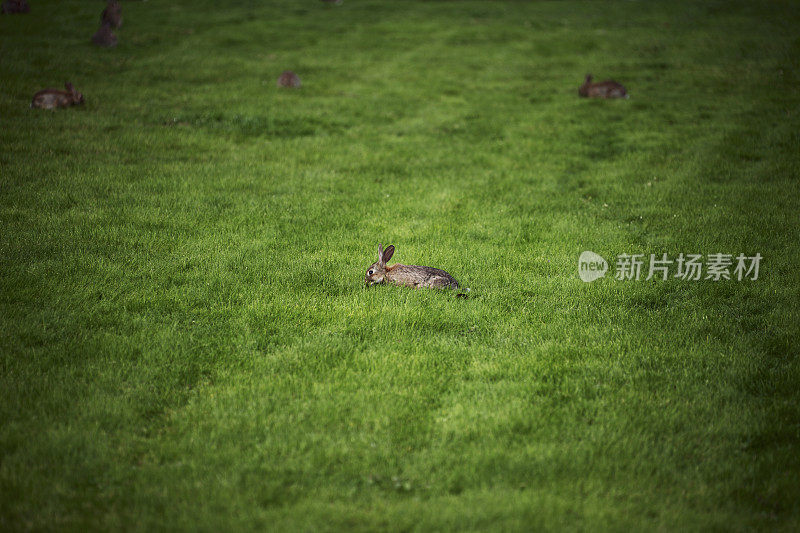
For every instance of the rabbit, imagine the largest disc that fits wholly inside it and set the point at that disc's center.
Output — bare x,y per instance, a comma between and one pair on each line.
53,98
112,14
104,36
603,89
289,79
407,275
16,6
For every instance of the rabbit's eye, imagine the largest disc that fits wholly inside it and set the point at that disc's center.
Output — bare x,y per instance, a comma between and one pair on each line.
370,272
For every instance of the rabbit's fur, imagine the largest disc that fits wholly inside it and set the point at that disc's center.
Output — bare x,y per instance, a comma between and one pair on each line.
112,14
407,275
16,6
53,98
104,36
602,89
288,79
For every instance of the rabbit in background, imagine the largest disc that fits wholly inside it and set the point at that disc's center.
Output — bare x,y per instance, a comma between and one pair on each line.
602,89
289,79
112,14
53,98
104,36
16,6
407,275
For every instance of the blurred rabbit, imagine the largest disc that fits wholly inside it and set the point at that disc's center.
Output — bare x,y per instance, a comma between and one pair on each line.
289,79
603,89
16,6
53,98
104,36
112,14
407,275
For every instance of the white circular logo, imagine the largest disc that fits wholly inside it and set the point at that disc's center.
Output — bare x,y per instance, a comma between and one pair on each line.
591,266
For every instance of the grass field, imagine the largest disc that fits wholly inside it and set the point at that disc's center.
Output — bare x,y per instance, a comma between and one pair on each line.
186,342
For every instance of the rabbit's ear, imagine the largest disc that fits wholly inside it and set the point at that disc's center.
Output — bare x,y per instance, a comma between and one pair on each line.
388,253
71,88
380,254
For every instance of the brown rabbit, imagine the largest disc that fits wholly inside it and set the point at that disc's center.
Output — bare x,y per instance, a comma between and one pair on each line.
407,275
104,36
112,14
289,79
603,89
16,6
53,98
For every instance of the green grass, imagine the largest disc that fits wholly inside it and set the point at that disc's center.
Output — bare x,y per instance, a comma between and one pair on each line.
185,339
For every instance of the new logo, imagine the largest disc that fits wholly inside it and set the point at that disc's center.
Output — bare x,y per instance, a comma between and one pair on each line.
591,266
